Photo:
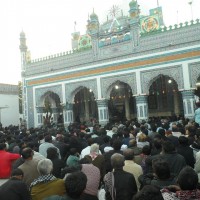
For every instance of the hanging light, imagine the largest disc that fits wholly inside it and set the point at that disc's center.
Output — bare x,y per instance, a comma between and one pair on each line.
90,90
116,87
169,81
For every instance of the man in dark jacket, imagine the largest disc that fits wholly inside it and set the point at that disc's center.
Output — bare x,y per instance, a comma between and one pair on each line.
15,188
119,185
186,151
169,154
117,149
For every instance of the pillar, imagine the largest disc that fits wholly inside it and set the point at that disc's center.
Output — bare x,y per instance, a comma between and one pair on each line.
86,103
142,107
188,103
127,106
176,103
68,116
39,115
103,111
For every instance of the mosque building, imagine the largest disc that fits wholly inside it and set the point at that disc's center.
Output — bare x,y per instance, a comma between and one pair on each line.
130,66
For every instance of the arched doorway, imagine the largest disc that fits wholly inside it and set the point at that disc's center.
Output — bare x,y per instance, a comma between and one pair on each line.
121,103
52,109
197,91
164,98
85,106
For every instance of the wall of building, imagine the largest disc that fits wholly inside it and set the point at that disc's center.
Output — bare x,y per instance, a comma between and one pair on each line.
9,109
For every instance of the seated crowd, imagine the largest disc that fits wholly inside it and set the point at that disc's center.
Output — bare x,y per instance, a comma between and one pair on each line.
158,159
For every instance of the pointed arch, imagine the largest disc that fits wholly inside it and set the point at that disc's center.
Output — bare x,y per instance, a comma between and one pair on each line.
175,73
106,83
72,88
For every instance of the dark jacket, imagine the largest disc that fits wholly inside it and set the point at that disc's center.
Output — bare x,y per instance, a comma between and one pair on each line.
107,157
14,189
124,184
175,161
58,165
187,153
150,179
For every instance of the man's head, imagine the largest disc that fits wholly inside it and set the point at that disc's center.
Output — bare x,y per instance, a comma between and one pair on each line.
2,146
161,169
117,144
48,138
117,161
132,143
128,154
149,192
187,179
17,173
146,150
168,147
52,153
94,148
75,184
27,153
45,167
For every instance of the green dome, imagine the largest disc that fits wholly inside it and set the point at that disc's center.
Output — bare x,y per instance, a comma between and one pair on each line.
22,34
133,3
93,16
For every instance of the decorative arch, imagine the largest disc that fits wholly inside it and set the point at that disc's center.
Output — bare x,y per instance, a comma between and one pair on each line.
72,88
40,93
107,83
112,86
53,98
148,77
194,69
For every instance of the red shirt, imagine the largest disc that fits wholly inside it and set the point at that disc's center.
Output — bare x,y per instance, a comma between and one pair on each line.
6,160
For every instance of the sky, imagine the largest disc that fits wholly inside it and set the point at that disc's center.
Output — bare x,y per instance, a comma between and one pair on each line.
48,25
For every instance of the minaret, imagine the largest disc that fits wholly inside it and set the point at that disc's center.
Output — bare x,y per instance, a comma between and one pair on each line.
23,50
93,31
134,22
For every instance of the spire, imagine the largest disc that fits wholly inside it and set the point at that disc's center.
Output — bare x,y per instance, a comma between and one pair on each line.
22,47
157,3
134,11
74,26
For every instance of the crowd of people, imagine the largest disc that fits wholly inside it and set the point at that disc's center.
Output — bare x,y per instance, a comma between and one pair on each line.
155,159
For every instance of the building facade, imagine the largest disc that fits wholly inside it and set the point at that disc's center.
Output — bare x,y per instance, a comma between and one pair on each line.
9,104
130,66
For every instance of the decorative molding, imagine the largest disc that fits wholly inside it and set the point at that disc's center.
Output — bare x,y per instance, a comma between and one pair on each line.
149,76
30,108
102,103
41,91
165,41
71,89
194,69
187,94
141,99
107,83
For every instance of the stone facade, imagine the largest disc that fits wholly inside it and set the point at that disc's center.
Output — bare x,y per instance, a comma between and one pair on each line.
136,60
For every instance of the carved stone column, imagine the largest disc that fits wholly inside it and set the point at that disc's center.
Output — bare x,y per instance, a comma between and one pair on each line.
142,107
127,106
188,103
68,116
86,103
103,111
39,115
176,104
